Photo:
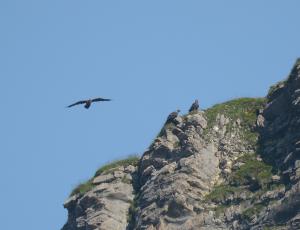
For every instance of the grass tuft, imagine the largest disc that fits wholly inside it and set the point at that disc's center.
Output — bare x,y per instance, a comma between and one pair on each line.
253,175
131,160
250,212
244,109
222,192
82,188
252,172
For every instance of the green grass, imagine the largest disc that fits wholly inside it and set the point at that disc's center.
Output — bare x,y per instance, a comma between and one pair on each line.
252,171
88,185
250,212
220,210
131,160
82,188
241,108
277,227
221,192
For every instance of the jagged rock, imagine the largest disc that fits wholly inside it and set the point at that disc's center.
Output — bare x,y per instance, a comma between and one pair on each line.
294,223
275,178
129,169
237,165
118,174
103,179
203,172
196,120
105,206
260,121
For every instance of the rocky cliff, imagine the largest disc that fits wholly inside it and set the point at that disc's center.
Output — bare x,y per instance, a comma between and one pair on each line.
233,166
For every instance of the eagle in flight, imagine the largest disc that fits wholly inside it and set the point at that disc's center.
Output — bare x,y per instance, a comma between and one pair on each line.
88,102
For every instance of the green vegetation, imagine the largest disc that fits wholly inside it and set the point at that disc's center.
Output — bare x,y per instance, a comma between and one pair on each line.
219,210
82,188
277,227
273,187
242,108
253,171
250,212
88,185
276,86
221,192
131,160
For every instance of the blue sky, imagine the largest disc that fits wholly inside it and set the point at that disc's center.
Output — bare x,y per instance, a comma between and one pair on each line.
150,57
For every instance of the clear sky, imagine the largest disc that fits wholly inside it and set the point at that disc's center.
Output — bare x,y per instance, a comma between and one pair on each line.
150,57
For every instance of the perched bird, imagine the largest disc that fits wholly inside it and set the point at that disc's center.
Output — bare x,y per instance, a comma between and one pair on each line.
172,116
195,106
88,102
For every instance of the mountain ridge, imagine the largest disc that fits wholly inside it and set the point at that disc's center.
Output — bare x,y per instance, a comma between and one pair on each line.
232,166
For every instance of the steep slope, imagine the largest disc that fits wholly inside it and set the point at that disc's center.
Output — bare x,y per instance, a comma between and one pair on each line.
180,172
233,166
280,146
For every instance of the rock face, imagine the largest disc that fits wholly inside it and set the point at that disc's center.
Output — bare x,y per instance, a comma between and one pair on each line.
106,205
280,142
233,166
176,173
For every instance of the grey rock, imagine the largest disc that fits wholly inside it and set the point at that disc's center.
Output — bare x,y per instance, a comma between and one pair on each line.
260,121
104,207
103,179
297,164
130,169
275,178
119,174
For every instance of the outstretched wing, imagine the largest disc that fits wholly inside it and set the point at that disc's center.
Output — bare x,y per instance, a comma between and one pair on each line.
77,103
100,99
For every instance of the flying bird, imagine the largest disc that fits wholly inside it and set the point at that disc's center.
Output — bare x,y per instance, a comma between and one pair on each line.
195,106
88,102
